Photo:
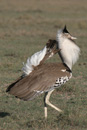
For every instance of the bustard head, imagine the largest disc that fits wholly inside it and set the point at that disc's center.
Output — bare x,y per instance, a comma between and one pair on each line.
69,50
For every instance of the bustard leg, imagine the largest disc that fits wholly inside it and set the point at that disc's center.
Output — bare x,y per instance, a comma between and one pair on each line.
47,102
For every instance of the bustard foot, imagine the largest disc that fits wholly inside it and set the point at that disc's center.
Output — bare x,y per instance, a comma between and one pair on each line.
45,111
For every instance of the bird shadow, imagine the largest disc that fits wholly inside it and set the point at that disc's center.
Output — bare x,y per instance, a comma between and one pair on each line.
4,114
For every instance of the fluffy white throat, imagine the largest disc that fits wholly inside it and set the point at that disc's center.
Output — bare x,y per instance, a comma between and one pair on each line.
34,60
69,50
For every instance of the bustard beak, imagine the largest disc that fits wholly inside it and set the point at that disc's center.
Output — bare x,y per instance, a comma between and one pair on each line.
73,38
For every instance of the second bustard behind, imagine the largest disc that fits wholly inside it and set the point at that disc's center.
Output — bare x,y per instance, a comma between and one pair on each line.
40,77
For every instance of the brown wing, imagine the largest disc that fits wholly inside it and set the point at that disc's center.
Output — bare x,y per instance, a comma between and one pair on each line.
40,80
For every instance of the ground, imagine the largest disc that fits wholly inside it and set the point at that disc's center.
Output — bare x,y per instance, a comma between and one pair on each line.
25,27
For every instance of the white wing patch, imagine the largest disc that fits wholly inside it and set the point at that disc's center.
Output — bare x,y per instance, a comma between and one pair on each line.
38,91
63,70
34,60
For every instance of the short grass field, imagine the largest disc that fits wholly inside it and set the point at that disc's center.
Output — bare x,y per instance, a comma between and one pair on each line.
25,27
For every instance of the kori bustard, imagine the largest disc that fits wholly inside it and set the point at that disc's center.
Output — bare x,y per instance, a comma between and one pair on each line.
39,77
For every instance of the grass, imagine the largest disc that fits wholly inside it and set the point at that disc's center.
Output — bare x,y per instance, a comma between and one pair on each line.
25,27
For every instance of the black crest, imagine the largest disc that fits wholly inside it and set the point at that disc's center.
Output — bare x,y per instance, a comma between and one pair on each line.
65,30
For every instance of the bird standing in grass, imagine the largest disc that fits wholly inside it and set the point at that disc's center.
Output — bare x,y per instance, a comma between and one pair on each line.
39,77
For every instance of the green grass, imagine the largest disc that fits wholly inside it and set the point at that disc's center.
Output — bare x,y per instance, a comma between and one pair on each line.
25,27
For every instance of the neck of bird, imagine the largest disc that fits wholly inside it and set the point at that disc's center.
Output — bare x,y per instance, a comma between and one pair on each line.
69,53
66,61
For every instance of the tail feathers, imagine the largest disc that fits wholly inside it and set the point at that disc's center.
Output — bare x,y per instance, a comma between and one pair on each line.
13,84
34,60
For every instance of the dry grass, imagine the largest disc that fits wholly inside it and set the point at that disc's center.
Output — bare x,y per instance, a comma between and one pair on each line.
25,27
